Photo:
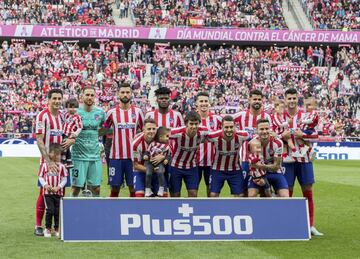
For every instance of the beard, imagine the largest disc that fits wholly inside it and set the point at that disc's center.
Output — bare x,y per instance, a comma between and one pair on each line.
256,106
125,100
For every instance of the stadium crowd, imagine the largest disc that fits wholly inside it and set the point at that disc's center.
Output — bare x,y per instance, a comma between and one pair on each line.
339,15
56,12
28,71
264,14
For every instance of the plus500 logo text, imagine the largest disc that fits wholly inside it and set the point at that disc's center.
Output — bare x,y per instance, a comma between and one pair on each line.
197,225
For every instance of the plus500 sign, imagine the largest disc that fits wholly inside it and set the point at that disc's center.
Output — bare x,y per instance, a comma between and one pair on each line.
188,225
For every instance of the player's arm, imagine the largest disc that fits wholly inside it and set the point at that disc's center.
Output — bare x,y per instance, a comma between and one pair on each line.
213,136
137,158
140,122
41,145
275,166
42,179
244,135
107,124
176,133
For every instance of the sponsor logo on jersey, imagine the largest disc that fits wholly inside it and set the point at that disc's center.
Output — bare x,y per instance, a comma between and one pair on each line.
187,224
188,149
229,153
126,125
56,133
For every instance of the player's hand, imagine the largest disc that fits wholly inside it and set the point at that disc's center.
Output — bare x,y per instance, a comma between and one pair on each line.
298,133
53,167
273,134
157,159
259,181
67,143
166,162
47,187
56,189
286,134
146,157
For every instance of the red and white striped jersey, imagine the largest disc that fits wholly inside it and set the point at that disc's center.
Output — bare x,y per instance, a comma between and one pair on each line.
172,119
139,147
254,172
72,123
53,178
205,153
279,123
227,155
125,124
156,148
273,149
244,120
51,127
294,124
310,120
184,148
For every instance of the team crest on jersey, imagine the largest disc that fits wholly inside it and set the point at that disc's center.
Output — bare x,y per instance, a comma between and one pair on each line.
97,117
171,120
133,115
212,124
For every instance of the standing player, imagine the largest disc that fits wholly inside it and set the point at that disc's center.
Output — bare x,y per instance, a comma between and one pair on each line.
226,165
49,129
246,120
205,152
140,146
183,164
86,151
126,120
272,150
164,116
302,168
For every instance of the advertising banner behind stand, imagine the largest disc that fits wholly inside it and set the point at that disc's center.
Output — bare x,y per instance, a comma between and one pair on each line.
124,219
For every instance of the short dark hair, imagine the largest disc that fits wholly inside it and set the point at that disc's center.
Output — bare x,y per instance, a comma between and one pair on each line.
290,91
124,85
149,120
255,92
55,147
259,121
162,90
227,118
206,94
54,91
88,87
192,116
71,103
160,131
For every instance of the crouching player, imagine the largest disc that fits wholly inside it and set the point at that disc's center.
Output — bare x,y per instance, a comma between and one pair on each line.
226,164
272,149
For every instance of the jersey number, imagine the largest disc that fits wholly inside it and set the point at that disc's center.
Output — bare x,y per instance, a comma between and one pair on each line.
111,171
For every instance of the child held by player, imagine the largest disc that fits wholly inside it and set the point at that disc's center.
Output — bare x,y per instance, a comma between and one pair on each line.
258,176
73,126
53,184
160,145
279,126
308,125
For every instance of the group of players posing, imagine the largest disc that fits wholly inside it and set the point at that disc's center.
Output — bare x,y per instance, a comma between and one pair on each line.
155,153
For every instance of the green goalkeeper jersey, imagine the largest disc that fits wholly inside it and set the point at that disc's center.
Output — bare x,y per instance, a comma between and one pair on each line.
86,147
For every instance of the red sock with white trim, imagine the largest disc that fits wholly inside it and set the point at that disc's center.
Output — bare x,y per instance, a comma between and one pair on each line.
309,196
139,195
40,209
132,194
114,193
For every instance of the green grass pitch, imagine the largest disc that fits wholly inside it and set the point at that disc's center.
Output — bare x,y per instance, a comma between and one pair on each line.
337,215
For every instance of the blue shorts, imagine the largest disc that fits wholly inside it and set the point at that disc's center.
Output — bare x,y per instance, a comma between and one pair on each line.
120,169
246,173
206,171
139,182
308,131
304,172
190,176
235,180
276,180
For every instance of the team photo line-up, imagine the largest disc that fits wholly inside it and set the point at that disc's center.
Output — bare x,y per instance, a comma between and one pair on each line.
256,153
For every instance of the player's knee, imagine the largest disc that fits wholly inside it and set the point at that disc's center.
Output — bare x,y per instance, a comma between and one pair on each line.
283,193
192,193
252,192
214,194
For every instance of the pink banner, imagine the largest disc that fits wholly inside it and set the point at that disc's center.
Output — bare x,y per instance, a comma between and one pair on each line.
176,34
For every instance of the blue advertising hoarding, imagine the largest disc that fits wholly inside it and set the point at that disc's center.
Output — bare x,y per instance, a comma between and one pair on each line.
129,219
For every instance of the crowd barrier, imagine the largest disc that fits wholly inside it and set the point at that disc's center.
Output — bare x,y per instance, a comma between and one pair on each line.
179,34
124,219
325,150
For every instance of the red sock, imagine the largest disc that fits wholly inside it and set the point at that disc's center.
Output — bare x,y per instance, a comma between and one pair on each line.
290,193
114,193
132,194
165,195
139,195
309,196
40,209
